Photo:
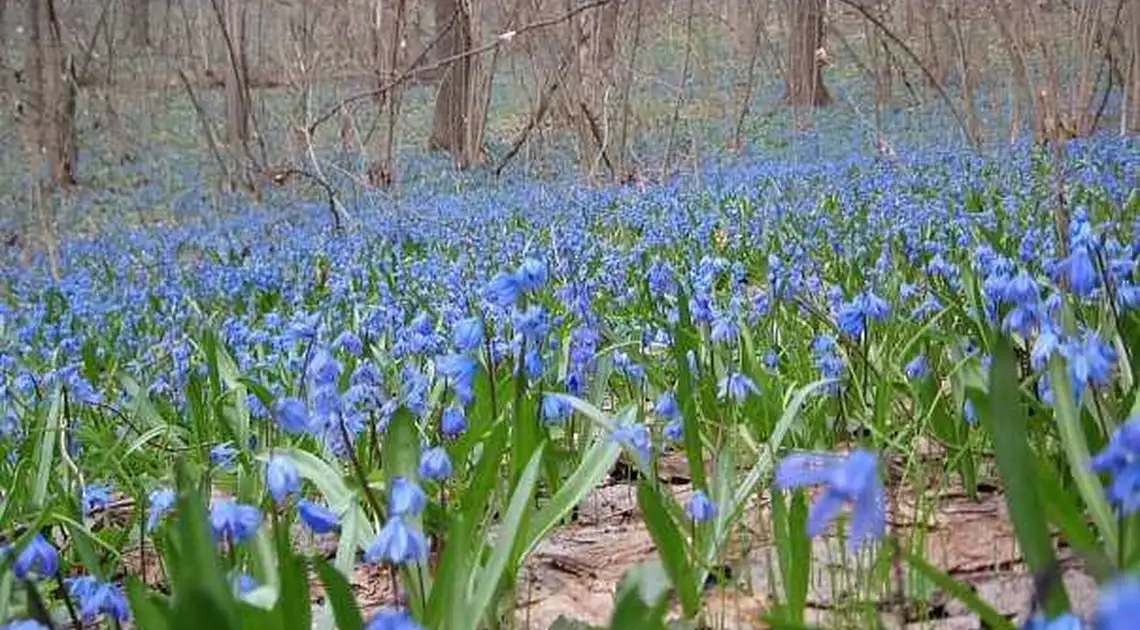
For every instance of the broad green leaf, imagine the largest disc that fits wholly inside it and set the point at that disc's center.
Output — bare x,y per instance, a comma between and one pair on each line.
1004,417
596,464
149,611
339,595
45,456
485,582
1077,451
671,546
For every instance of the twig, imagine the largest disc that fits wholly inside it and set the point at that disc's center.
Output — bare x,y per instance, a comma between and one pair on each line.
412,69
913,57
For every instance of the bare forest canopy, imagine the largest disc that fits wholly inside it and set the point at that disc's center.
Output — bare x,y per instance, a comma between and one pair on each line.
270,90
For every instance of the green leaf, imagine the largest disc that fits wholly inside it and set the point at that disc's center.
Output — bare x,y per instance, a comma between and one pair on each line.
150,611
1004,417
485,582
671,546
401,446
338,593
958,590
203,595
640,600
451,576
793,550
596,464
293,604
1077,451
45,455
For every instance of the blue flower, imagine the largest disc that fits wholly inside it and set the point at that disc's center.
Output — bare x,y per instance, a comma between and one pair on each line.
223,455
636,438
846,479
724,329
392,619
1064,621
453,422
397,544
23,624
917,368
234,521
771,360
736,386
555,408
1120,459
291,414
38,558
503,290
96,598
324,369
700,507
1078,269
1118,607
95,495
531,323
674,430
531,274
282,477
435,464
405,497
161,502
460,368
1089,360
666,406
350,343
468,334
318,518
242,583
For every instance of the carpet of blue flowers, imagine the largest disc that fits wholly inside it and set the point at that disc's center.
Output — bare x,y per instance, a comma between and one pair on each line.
436,389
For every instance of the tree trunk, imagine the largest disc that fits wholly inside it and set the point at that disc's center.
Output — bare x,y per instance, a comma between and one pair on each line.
232,18
803,83
453,105
1132,20
596,56
138,23
49,96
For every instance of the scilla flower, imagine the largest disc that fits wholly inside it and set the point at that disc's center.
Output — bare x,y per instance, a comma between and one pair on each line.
234,521
316,517
282,477
405,497
397,543
700,507
851,479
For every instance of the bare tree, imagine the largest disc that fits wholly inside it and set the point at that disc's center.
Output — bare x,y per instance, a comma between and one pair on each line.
50,94
1131,112
232,17
455,115
803,81
138,23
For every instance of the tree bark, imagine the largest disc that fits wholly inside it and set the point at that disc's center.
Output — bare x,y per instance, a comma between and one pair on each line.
50,94
803,82
232,20
138,23
1132,21
453,105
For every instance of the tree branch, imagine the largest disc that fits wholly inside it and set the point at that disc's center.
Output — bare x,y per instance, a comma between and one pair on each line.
413,68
